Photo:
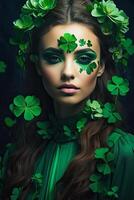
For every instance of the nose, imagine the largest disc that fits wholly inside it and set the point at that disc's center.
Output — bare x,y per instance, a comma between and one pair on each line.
68,71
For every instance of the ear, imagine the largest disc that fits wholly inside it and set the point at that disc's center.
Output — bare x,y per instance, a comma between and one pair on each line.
101,68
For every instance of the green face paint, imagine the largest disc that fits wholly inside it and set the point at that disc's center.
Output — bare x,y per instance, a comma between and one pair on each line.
86,61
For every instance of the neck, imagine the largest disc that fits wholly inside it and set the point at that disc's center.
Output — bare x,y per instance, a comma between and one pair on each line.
63,111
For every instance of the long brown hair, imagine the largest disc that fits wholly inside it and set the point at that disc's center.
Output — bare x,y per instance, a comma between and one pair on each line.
75,182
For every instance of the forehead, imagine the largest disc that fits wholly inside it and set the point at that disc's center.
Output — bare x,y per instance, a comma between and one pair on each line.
80,31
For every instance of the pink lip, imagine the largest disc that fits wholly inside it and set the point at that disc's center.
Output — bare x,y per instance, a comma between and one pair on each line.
68,86
69,90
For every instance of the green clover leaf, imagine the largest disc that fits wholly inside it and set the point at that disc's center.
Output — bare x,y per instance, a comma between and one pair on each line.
109,112
24,23
9,122
81,124
2,67
94,108
96,185
29,105
89,44
113,192
128,45
15,193
82,42
37,178
67,42
100,153
108,15
118,86
104,168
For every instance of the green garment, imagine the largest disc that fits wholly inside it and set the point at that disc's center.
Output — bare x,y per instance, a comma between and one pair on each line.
61,150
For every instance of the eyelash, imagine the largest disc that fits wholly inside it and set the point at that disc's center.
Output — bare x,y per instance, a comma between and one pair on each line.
52,59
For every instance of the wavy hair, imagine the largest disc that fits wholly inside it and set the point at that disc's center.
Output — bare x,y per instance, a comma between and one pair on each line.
75,182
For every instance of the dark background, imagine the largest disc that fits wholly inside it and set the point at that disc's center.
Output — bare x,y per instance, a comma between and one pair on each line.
10,82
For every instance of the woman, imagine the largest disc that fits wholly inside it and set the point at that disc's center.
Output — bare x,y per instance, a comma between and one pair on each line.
76,148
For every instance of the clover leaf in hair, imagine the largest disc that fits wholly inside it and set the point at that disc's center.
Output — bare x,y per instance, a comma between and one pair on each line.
94,108
81,124
25,22
2,67
67,42
29,106
9,122
96,184
113,192
108,15
118,86
110,113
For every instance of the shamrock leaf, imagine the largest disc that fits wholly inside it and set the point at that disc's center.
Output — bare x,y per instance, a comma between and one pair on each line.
15,193
24,23
81,124
37,178
113,192
108,15
104,168
110,113
82,42
9,122
94,108
2,67
44,129
128,45
29,105
96,185
118,86
100,153
89,44
67,42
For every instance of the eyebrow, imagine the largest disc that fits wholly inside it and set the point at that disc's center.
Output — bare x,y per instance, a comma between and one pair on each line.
60,51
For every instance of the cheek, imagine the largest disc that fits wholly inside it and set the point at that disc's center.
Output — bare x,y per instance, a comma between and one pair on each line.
49,75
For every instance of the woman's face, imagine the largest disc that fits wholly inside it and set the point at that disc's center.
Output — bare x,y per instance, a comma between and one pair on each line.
57,68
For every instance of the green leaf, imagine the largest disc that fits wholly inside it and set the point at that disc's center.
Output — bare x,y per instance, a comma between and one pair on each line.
100,153
9,122
67,42
37,178
2,67
81,124
15,193
104,168
25,22
82,42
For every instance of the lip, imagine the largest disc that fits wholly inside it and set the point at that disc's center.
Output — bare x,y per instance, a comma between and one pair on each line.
68,88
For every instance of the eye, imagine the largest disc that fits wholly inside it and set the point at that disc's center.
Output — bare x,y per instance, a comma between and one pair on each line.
52,59
85,59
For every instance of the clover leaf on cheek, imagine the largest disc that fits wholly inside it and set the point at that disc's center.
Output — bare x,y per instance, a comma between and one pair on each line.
67,42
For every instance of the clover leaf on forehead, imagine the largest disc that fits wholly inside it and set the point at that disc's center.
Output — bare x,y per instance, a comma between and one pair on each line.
108,15
67,42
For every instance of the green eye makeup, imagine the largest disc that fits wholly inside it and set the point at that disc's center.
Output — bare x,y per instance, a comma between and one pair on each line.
52,57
